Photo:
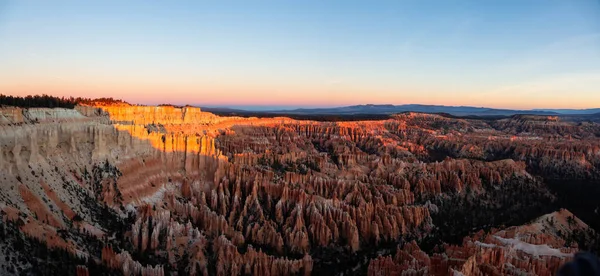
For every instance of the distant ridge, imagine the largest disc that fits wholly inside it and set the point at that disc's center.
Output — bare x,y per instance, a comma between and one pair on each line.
386,109
572,111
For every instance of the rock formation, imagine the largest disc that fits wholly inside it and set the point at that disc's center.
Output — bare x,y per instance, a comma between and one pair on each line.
164,190
537,248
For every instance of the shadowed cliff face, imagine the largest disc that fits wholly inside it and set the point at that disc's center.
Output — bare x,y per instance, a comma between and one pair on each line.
160,190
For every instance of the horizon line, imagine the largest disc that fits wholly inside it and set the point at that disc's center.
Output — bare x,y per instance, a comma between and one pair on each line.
291,107
277,107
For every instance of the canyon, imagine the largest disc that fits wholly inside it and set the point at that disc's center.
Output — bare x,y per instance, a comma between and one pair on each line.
164,190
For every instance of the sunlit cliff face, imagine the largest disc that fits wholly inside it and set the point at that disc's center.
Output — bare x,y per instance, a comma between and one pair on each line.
157,190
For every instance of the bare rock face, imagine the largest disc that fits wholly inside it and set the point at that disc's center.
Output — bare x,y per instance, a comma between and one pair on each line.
168,190
146,115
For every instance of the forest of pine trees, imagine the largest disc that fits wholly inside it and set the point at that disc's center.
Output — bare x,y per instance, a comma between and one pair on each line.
51,101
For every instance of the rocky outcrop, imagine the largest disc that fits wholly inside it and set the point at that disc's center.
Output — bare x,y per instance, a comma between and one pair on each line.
231,262
18,116
409,260
146,115
127,265
536,248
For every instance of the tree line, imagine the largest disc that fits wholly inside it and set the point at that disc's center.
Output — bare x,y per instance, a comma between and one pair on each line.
52,101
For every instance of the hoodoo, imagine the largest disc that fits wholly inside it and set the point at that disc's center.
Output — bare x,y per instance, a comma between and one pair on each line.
161,190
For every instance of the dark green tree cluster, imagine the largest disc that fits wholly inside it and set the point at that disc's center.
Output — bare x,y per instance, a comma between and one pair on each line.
38,101
51,101
515,202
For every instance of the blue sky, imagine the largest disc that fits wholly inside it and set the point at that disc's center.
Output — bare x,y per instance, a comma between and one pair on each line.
511,54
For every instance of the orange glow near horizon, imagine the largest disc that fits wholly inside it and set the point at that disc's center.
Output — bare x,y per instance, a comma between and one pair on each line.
214,94
152,88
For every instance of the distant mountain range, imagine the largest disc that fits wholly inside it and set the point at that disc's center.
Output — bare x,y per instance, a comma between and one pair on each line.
572,111
381,109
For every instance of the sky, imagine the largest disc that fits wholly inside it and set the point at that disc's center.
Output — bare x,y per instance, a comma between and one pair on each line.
503,54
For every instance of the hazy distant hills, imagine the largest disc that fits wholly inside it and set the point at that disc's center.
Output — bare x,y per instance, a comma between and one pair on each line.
572,111
384,109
